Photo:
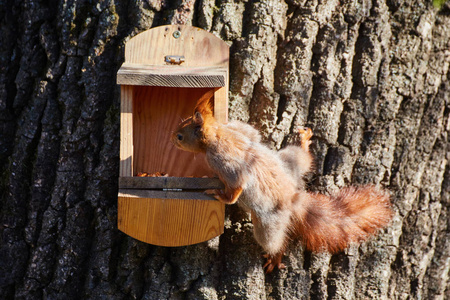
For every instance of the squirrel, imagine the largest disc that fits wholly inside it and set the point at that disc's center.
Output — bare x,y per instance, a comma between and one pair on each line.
270,186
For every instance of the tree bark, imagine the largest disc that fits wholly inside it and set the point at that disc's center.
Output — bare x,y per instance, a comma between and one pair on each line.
371,78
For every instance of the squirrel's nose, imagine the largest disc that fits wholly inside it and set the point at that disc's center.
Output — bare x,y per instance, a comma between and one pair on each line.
179,136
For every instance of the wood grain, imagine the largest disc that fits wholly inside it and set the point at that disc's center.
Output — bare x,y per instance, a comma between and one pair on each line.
126,131
172,76
157,111
199,47
156,97
170,222
170,183
162,194
221,104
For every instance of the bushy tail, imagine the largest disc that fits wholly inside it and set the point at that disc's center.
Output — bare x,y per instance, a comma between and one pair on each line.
333,222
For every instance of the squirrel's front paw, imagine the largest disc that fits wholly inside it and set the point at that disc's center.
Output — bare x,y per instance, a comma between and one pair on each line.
228,196
306,135
224,197
220,195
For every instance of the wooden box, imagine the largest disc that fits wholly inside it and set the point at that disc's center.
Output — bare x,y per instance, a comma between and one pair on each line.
166,70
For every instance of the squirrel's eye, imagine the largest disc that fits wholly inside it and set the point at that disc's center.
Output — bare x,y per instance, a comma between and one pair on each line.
180,137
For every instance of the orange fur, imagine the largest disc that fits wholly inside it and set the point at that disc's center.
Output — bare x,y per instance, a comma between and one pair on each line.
331,223
268,185
204,104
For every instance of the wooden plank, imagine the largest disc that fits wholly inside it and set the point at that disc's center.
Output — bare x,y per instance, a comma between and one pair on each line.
149,114
171,76
170,183
126,131
170,222
157,112
221,105
199,47
161,195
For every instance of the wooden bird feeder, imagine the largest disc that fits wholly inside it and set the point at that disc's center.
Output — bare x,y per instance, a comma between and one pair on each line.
166,71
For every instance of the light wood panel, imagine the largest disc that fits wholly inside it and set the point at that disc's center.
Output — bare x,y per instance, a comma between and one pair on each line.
182,183
164,195
221,104
199,47
156,97
170,222
172,76
126,131
157,111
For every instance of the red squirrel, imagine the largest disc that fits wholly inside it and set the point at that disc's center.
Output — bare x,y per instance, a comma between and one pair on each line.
270,186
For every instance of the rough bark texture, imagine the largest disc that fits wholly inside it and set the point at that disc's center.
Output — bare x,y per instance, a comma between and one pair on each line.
370,77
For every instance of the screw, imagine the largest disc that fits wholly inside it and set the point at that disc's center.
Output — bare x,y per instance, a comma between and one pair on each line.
176,34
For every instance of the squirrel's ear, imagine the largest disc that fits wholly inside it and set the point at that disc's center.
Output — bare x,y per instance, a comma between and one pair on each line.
204,105
198,118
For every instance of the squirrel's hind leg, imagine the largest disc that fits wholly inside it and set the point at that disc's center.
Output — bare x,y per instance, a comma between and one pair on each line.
273,261
272,237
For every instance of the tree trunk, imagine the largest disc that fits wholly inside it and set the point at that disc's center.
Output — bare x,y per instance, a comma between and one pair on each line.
371,78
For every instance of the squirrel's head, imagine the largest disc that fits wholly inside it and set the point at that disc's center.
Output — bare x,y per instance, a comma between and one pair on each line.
190,135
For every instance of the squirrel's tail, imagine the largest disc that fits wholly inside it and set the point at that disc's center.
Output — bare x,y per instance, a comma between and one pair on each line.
333,222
